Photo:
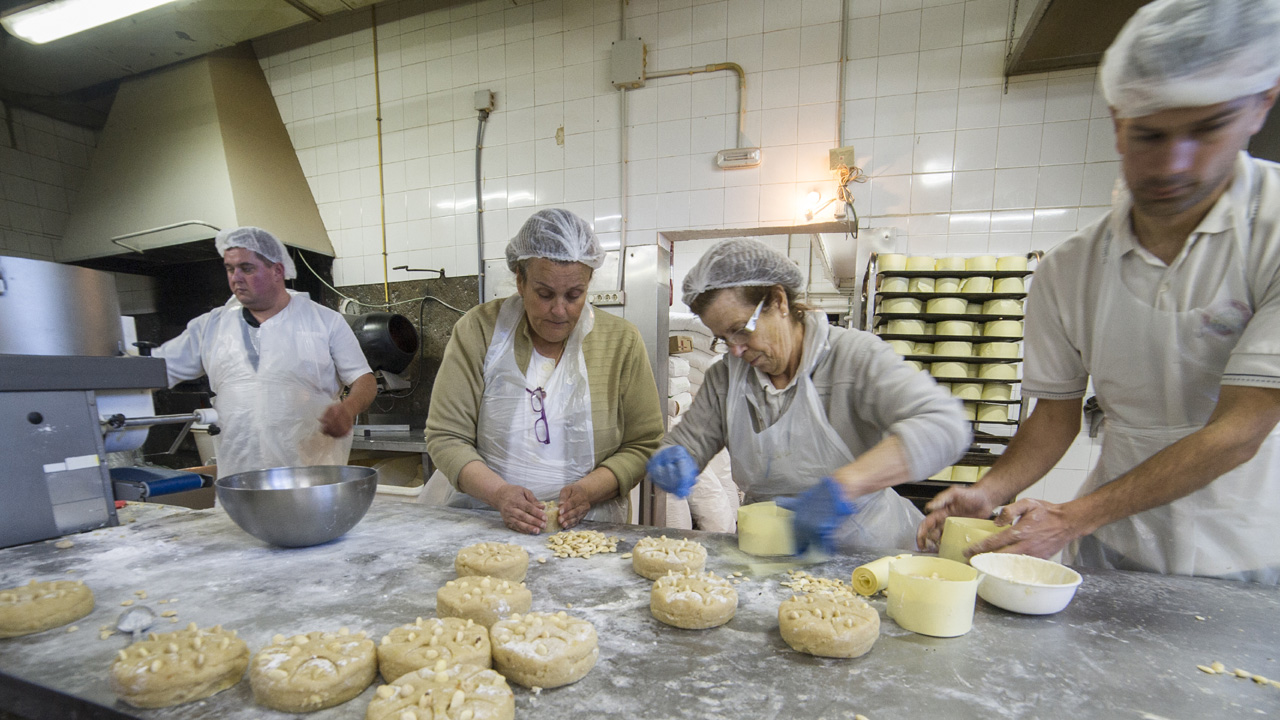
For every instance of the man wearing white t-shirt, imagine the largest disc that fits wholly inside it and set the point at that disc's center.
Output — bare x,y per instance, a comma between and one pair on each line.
276,361
1171,304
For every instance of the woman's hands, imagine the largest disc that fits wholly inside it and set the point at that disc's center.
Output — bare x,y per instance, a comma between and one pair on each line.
574,504
520,510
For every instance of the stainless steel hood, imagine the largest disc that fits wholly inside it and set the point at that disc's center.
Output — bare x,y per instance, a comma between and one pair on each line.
186,150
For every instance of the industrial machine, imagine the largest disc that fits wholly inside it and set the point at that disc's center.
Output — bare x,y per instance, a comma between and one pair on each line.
69,395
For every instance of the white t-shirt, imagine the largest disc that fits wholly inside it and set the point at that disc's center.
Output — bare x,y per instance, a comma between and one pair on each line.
1062,302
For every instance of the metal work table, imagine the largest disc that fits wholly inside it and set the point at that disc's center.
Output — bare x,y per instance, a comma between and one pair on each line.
409,442
1127,646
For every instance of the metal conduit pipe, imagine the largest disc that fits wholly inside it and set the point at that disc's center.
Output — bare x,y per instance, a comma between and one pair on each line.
717,67
484,120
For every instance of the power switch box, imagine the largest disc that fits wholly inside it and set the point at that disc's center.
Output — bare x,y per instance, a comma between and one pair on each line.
841,156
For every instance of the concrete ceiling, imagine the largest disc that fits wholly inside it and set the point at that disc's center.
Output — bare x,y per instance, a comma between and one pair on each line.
74,79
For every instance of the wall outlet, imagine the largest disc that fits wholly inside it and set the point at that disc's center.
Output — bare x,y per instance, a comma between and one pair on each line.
610,297
841,156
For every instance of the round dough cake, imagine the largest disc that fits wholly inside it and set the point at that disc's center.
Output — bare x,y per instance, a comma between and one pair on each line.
544,650
653,557
39,606
828,626
693,601
483,599
311,672
178,667
424,642
445,692
500,560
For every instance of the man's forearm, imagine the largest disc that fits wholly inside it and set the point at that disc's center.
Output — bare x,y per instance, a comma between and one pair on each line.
361,395
1242,421
1038,445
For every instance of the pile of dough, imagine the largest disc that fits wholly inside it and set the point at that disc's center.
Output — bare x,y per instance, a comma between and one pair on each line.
39,606
311,672
551,509
443,692
500,560
653,557
423,642
828,626
483,599
544,650
693,600
178,667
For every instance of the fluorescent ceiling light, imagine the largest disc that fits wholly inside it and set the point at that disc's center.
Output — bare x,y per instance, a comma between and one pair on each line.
39,23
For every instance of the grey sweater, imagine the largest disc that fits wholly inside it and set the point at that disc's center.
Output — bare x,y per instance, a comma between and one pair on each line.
867,390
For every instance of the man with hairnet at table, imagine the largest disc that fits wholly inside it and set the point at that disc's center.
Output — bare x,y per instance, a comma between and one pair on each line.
1171,304
277,363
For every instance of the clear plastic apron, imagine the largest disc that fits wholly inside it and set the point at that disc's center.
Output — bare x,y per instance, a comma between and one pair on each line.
1157,374
504,437
801,448
270,399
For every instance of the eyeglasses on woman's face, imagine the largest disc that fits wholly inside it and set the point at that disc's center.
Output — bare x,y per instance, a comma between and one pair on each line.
742,335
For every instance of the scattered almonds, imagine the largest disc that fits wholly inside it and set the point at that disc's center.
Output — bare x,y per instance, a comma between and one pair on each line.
63,545
581,543
126,603
169,613
803,582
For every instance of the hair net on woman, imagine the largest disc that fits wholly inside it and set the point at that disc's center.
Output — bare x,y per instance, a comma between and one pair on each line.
259,241
740,262
556,234
1192,53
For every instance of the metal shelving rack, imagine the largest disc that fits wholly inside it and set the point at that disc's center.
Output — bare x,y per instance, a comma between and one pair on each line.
988,435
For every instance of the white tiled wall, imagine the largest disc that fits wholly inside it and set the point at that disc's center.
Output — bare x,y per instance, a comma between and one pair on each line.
954,161
41,166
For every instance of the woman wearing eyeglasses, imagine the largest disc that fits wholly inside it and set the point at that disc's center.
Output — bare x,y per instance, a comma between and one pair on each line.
822,418
541,398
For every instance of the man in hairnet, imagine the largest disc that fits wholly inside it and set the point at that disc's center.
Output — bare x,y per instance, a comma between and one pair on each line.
1171,304
539,397
277,363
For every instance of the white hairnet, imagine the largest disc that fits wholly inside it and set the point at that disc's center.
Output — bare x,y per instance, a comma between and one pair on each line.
556,234
740,262
259,241
1192,53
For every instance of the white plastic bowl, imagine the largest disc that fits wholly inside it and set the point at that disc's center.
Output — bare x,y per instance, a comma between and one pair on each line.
1025,584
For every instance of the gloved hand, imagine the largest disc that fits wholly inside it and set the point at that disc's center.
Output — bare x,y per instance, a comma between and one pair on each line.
672,468
819,512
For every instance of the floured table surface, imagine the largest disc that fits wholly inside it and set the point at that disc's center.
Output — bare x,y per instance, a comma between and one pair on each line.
1127,646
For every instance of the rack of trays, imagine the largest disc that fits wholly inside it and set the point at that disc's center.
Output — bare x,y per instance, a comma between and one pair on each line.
960,319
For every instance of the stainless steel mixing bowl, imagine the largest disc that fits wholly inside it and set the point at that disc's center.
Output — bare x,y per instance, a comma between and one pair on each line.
298,506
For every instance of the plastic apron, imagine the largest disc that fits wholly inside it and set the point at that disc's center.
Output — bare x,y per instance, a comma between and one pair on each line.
801,447
1158,385
270,398
503,437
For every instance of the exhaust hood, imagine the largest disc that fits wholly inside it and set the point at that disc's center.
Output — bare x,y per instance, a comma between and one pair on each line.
187,150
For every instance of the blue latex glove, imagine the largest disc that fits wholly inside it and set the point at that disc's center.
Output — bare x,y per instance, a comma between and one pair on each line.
672,468
820,511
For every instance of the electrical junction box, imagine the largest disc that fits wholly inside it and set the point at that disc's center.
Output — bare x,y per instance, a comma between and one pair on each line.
841,156
626,64
484,100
